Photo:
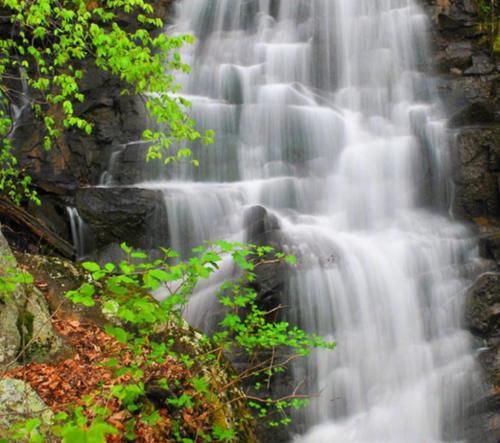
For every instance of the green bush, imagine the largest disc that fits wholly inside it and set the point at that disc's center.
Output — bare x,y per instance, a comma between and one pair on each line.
146,329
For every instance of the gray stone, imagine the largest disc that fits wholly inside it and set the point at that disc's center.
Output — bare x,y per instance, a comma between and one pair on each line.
459,54
114,215
476,172
481,65
260,226
37,327
476,113
483,319
24,319
489,244
18,402
10,337
482,311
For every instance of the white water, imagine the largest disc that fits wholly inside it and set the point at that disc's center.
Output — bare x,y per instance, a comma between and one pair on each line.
79,233
323,116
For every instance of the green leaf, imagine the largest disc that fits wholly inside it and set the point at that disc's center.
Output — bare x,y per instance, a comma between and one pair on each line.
127,249
119,333
91,266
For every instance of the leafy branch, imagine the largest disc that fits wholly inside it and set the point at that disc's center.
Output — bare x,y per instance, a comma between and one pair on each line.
50,40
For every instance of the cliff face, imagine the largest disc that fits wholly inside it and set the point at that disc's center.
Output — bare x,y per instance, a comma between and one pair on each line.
469,84
468,76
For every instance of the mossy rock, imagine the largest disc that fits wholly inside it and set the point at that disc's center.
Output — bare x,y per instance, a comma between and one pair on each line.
62,275
35,324
19,402
25,322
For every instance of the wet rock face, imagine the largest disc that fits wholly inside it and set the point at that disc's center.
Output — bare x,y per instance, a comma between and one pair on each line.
476,113
482,315
483,306
477,172
116,215
468,79
261,227
469,72
78,159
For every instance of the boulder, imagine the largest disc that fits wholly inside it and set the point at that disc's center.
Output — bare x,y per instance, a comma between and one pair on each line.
19,402
114,215
261,227
270,285
10,337
24,319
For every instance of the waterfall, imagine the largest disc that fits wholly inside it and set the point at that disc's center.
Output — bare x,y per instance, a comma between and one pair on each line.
325,117
78,233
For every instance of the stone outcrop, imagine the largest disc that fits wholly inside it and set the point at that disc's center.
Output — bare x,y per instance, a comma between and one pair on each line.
24,318
78,159
115,215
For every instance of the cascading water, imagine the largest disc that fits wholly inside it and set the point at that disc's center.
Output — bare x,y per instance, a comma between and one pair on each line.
78,233
323,116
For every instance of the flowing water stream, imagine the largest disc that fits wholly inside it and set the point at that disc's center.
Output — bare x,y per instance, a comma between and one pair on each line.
324,116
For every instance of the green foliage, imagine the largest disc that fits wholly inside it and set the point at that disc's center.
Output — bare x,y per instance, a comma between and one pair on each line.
51,38
489,14
13,183
11,277
142,324
75,428
28,431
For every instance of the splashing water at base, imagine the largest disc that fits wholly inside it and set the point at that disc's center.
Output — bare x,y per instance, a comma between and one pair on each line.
324,117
